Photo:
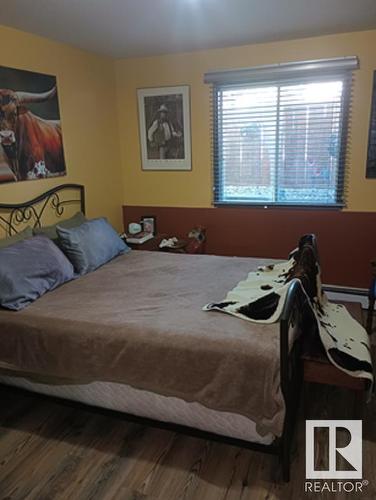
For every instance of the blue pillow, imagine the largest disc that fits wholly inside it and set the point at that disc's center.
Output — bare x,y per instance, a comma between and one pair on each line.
50,231
22,235
30,268
90,245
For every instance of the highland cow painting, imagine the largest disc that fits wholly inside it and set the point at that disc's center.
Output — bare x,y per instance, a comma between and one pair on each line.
31,145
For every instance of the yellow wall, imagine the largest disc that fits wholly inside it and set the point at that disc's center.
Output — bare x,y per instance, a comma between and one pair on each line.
86,85
194,188
98,105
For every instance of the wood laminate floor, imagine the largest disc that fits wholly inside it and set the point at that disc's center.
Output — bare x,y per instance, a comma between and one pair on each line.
50,450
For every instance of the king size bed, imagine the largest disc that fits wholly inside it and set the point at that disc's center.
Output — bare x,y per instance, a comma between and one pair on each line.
131,336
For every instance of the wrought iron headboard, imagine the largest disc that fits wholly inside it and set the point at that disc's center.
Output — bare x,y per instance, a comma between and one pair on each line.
14,216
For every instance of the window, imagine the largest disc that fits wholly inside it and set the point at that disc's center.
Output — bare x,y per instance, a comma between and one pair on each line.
280,138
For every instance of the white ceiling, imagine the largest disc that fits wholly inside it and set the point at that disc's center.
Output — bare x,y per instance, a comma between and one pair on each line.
126,28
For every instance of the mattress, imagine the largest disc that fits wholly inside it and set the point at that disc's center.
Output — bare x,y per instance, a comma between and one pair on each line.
126,399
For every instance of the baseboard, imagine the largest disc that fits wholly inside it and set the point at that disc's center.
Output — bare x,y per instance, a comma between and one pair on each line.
347,294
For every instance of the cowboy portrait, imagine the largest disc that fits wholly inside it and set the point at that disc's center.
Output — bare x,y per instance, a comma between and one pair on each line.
164,130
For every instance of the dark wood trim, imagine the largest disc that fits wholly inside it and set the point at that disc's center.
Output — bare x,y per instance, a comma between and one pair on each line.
347,240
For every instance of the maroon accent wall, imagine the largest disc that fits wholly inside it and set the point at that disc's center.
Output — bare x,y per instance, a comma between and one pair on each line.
347,240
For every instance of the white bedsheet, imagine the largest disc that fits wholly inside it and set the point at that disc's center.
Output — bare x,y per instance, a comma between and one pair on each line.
126,399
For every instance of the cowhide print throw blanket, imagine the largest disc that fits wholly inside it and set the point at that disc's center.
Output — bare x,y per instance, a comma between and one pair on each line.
261,297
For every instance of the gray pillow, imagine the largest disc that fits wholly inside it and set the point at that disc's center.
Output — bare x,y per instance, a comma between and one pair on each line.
50,231
30,268
91,245
23,235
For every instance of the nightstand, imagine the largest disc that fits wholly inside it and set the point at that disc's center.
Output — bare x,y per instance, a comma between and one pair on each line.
151,245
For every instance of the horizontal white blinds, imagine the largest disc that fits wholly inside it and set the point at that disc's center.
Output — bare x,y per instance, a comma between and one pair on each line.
281,142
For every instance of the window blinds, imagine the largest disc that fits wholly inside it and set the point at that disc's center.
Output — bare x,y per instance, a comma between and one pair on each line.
280,133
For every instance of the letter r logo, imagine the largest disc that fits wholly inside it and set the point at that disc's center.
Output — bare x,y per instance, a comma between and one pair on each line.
351,452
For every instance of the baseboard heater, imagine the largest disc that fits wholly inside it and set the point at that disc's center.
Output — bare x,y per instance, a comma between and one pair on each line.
348,294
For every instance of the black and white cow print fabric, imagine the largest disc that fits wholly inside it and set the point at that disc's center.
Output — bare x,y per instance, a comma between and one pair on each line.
261,297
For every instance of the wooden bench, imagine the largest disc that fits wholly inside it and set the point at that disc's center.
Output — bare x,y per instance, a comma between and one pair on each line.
318,369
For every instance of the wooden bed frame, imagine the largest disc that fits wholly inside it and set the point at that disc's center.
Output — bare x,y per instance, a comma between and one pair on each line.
14,217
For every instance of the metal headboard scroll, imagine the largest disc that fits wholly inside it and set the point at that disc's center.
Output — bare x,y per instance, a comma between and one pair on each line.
13,216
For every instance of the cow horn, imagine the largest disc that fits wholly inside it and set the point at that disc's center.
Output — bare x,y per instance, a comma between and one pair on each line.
29,97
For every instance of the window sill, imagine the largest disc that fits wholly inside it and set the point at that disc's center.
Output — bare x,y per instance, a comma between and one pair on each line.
296,206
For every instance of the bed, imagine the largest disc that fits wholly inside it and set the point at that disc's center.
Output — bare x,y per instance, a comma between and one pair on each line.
132,337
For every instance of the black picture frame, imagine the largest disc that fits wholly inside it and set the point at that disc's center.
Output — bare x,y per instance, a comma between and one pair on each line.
371,151
149,219
157,151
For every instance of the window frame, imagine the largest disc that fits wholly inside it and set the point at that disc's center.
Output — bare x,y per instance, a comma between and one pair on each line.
343,137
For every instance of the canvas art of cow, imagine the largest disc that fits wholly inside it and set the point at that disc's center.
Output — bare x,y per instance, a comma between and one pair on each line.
31,145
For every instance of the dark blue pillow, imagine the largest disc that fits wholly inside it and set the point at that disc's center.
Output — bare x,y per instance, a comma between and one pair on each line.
30,268
90,245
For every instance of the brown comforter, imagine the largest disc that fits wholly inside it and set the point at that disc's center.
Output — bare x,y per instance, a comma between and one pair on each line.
138,320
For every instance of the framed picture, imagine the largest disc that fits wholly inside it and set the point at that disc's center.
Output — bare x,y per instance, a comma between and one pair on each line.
165,130
29,102
149,224
371,154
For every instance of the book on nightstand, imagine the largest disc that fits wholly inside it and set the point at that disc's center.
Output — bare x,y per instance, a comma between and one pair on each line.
139,238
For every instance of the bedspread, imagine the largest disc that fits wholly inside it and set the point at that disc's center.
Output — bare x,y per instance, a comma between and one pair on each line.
138,320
